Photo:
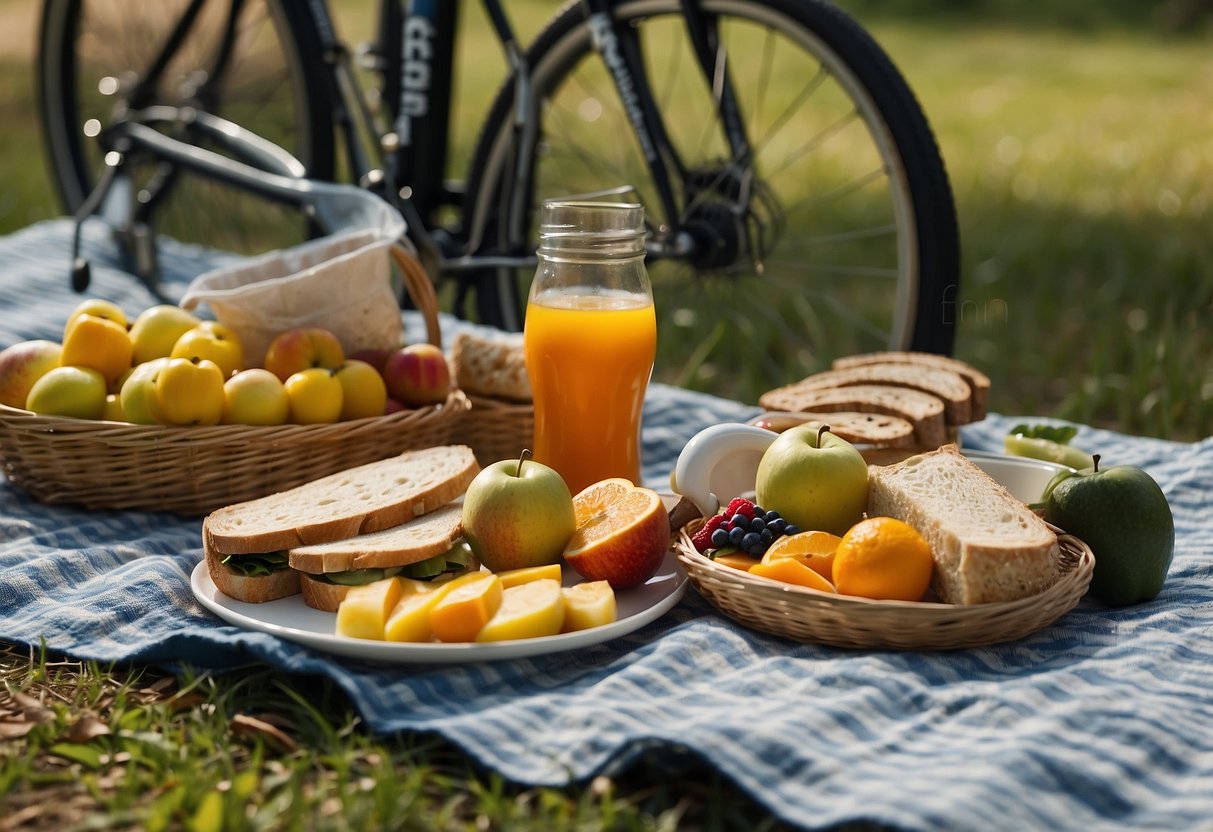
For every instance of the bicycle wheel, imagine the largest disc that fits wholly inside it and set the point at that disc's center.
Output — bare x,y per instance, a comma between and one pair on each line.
847,242
92,57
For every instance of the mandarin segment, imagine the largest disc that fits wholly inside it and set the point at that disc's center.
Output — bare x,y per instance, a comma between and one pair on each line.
815,549
791,571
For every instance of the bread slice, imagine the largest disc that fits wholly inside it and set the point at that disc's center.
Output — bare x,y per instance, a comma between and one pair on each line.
988,546
321,595
922,410
979,382
411,542
364,499
947,385
879,430
491,366
254,590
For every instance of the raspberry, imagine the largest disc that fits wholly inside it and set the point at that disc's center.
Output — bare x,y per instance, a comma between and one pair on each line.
703,538
740,505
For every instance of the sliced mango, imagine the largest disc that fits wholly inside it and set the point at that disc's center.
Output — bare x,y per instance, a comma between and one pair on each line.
737,560
514,577
468,604
363,613
409,620
792,571
588,604
530,610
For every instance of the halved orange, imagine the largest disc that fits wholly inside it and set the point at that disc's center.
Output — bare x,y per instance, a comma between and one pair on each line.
815,549
622,533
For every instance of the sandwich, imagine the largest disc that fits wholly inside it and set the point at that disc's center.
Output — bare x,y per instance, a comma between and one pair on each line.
248,546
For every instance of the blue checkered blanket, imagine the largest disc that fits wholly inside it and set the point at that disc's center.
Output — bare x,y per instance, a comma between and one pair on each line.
1102,721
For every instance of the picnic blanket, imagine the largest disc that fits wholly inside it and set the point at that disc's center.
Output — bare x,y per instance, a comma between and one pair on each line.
1102,721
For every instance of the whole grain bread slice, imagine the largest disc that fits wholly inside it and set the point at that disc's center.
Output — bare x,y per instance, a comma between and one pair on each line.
923,410
411,542
880,430
947,385
979,382
988,546
363,499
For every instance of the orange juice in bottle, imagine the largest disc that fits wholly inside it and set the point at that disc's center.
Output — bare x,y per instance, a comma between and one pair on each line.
590,340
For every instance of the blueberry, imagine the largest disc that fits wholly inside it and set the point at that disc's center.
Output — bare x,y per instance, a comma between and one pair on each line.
750,540
767,536
757,551
739,520
772,515
720,538
791,529
758,511
757,524
779,525
735,536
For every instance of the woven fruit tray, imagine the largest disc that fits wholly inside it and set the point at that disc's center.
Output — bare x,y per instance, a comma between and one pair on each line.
811,615
194,470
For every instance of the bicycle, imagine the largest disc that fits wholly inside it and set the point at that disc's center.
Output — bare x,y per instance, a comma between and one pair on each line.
795,194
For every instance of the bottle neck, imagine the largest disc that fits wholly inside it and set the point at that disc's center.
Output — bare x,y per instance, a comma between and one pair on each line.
591,232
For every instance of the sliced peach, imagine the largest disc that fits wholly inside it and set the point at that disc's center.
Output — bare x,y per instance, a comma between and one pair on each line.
466,607
588,604
792,571
514,577
737,560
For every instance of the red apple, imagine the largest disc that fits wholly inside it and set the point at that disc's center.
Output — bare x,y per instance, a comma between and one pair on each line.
417,375
302,349
21,365
374,356
393,406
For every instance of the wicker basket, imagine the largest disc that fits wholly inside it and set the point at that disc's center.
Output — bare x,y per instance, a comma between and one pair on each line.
496,429
193,470
810,615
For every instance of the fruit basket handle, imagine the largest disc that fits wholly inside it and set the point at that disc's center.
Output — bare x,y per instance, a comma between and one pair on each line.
421,290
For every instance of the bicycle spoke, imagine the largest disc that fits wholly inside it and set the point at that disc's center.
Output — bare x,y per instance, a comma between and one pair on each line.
836,269
815,142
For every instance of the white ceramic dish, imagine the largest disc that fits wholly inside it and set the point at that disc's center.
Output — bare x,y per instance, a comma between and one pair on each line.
720,462
291,619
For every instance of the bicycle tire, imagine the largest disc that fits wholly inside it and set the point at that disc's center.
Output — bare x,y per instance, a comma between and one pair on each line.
72,45
928,280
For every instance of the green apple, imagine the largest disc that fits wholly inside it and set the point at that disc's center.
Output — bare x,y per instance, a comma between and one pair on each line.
138,393
518,513
69,391
814,479
1122,514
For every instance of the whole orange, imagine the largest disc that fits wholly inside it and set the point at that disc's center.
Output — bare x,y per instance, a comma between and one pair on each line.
885,559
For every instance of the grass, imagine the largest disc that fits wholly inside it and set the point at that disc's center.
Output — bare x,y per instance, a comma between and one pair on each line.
1079,152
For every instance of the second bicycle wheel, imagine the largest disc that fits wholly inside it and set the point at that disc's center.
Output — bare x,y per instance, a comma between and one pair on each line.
250,61
839,231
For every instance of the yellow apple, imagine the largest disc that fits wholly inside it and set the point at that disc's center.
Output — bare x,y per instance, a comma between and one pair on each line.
157,329
97,308
98,343
138,393
363,391
190,392
315,396
21,365
113,409
69,391
213,342
255,397
302,349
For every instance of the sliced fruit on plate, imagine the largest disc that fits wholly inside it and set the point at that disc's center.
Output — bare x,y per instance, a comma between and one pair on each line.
622,533
409,620
364,611
530,610
514,577
588,604
466,607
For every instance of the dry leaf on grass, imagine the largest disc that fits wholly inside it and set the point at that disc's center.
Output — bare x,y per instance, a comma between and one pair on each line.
243,725
87,727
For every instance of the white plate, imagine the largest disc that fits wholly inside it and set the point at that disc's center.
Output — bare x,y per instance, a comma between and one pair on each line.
294,620
1024,478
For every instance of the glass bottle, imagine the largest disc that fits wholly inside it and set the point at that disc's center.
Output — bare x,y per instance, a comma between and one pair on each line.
590,340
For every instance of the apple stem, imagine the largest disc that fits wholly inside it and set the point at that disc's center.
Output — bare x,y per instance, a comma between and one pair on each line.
525,455
821,431
1094,462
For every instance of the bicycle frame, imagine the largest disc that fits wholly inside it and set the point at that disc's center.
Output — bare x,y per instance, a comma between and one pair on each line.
405,158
